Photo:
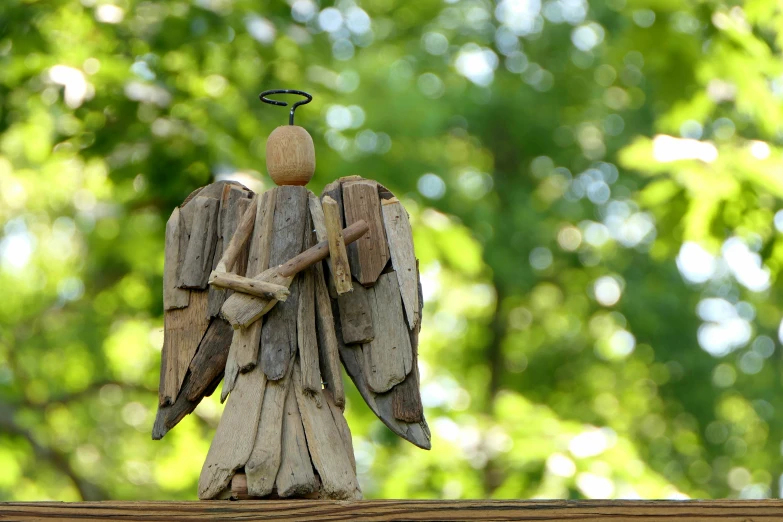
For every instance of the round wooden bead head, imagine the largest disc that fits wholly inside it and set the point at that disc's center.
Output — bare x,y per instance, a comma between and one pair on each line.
290,156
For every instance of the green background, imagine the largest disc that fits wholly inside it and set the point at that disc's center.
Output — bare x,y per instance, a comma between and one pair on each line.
594,190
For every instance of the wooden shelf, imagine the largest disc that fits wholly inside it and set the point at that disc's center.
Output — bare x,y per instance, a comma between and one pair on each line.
383,510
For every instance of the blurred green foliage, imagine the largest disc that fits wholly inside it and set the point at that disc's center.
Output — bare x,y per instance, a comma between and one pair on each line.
594,190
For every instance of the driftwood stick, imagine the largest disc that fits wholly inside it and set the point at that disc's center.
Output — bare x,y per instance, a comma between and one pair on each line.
249,286
321,250
240,237
242,310
341,270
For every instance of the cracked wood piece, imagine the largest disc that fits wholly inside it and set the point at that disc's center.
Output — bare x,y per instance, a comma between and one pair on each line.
210,360
328,347
400,238
356,316
338,479
173,297
278,337
388,358
235,435
183,331
306,333
370,253
295,476
342,427
243,355
232,208
242,309
341,270
197,265
264,462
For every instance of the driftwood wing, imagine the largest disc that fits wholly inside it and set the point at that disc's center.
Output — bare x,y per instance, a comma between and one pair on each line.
196,340
377,324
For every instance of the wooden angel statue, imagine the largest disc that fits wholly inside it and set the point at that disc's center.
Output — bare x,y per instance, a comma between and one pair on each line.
268,292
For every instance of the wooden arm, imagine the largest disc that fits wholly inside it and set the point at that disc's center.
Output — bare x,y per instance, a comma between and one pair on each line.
248,286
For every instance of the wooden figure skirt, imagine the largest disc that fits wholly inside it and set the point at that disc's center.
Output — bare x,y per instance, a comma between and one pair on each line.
268,293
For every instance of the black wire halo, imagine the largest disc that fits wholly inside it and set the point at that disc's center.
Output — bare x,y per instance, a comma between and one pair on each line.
263,98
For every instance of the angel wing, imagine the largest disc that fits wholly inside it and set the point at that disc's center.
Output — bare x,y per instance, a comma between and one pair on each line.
196,340
377,324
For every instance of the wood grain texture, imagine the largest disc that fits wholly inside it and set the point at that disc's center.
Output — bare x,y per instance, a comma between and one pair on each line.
235,435
295,476
356,316
243,355
406,396
248,286
342,427
173,297
328,347
183,330
388,510
338,478
201,379
242,309
417,433
307,339
290,155
369,255
232,207
278,337
338,255
210,360
264,462
388,358
197,263
400,238
239,239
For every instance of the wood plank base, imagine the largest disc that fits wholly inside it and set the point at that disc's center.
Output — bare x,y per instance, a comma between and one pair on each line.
383,510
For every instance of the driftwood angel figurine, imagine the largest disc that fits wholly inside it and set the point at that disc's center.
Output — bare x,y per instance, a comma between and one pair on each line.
249,301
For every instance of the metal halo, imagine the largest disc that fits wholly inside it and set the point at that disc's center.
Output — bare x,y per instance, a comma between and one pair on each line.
263,98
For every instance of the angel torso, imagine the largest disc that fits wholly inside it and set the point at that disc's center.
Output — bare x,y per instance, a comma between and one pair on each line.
268,293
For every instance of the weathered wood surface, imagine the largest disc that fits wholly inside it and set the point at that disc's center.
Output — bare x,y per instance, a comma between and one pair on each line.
406,396
243,355
173,297
249,286
307,339
197,263
381,404
278,337
400,238
370,253
295,476
387,510
233,204
356,316
388,357
264,462
239,239
338,478
338,255
328,346
242,309
183,330
235,434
